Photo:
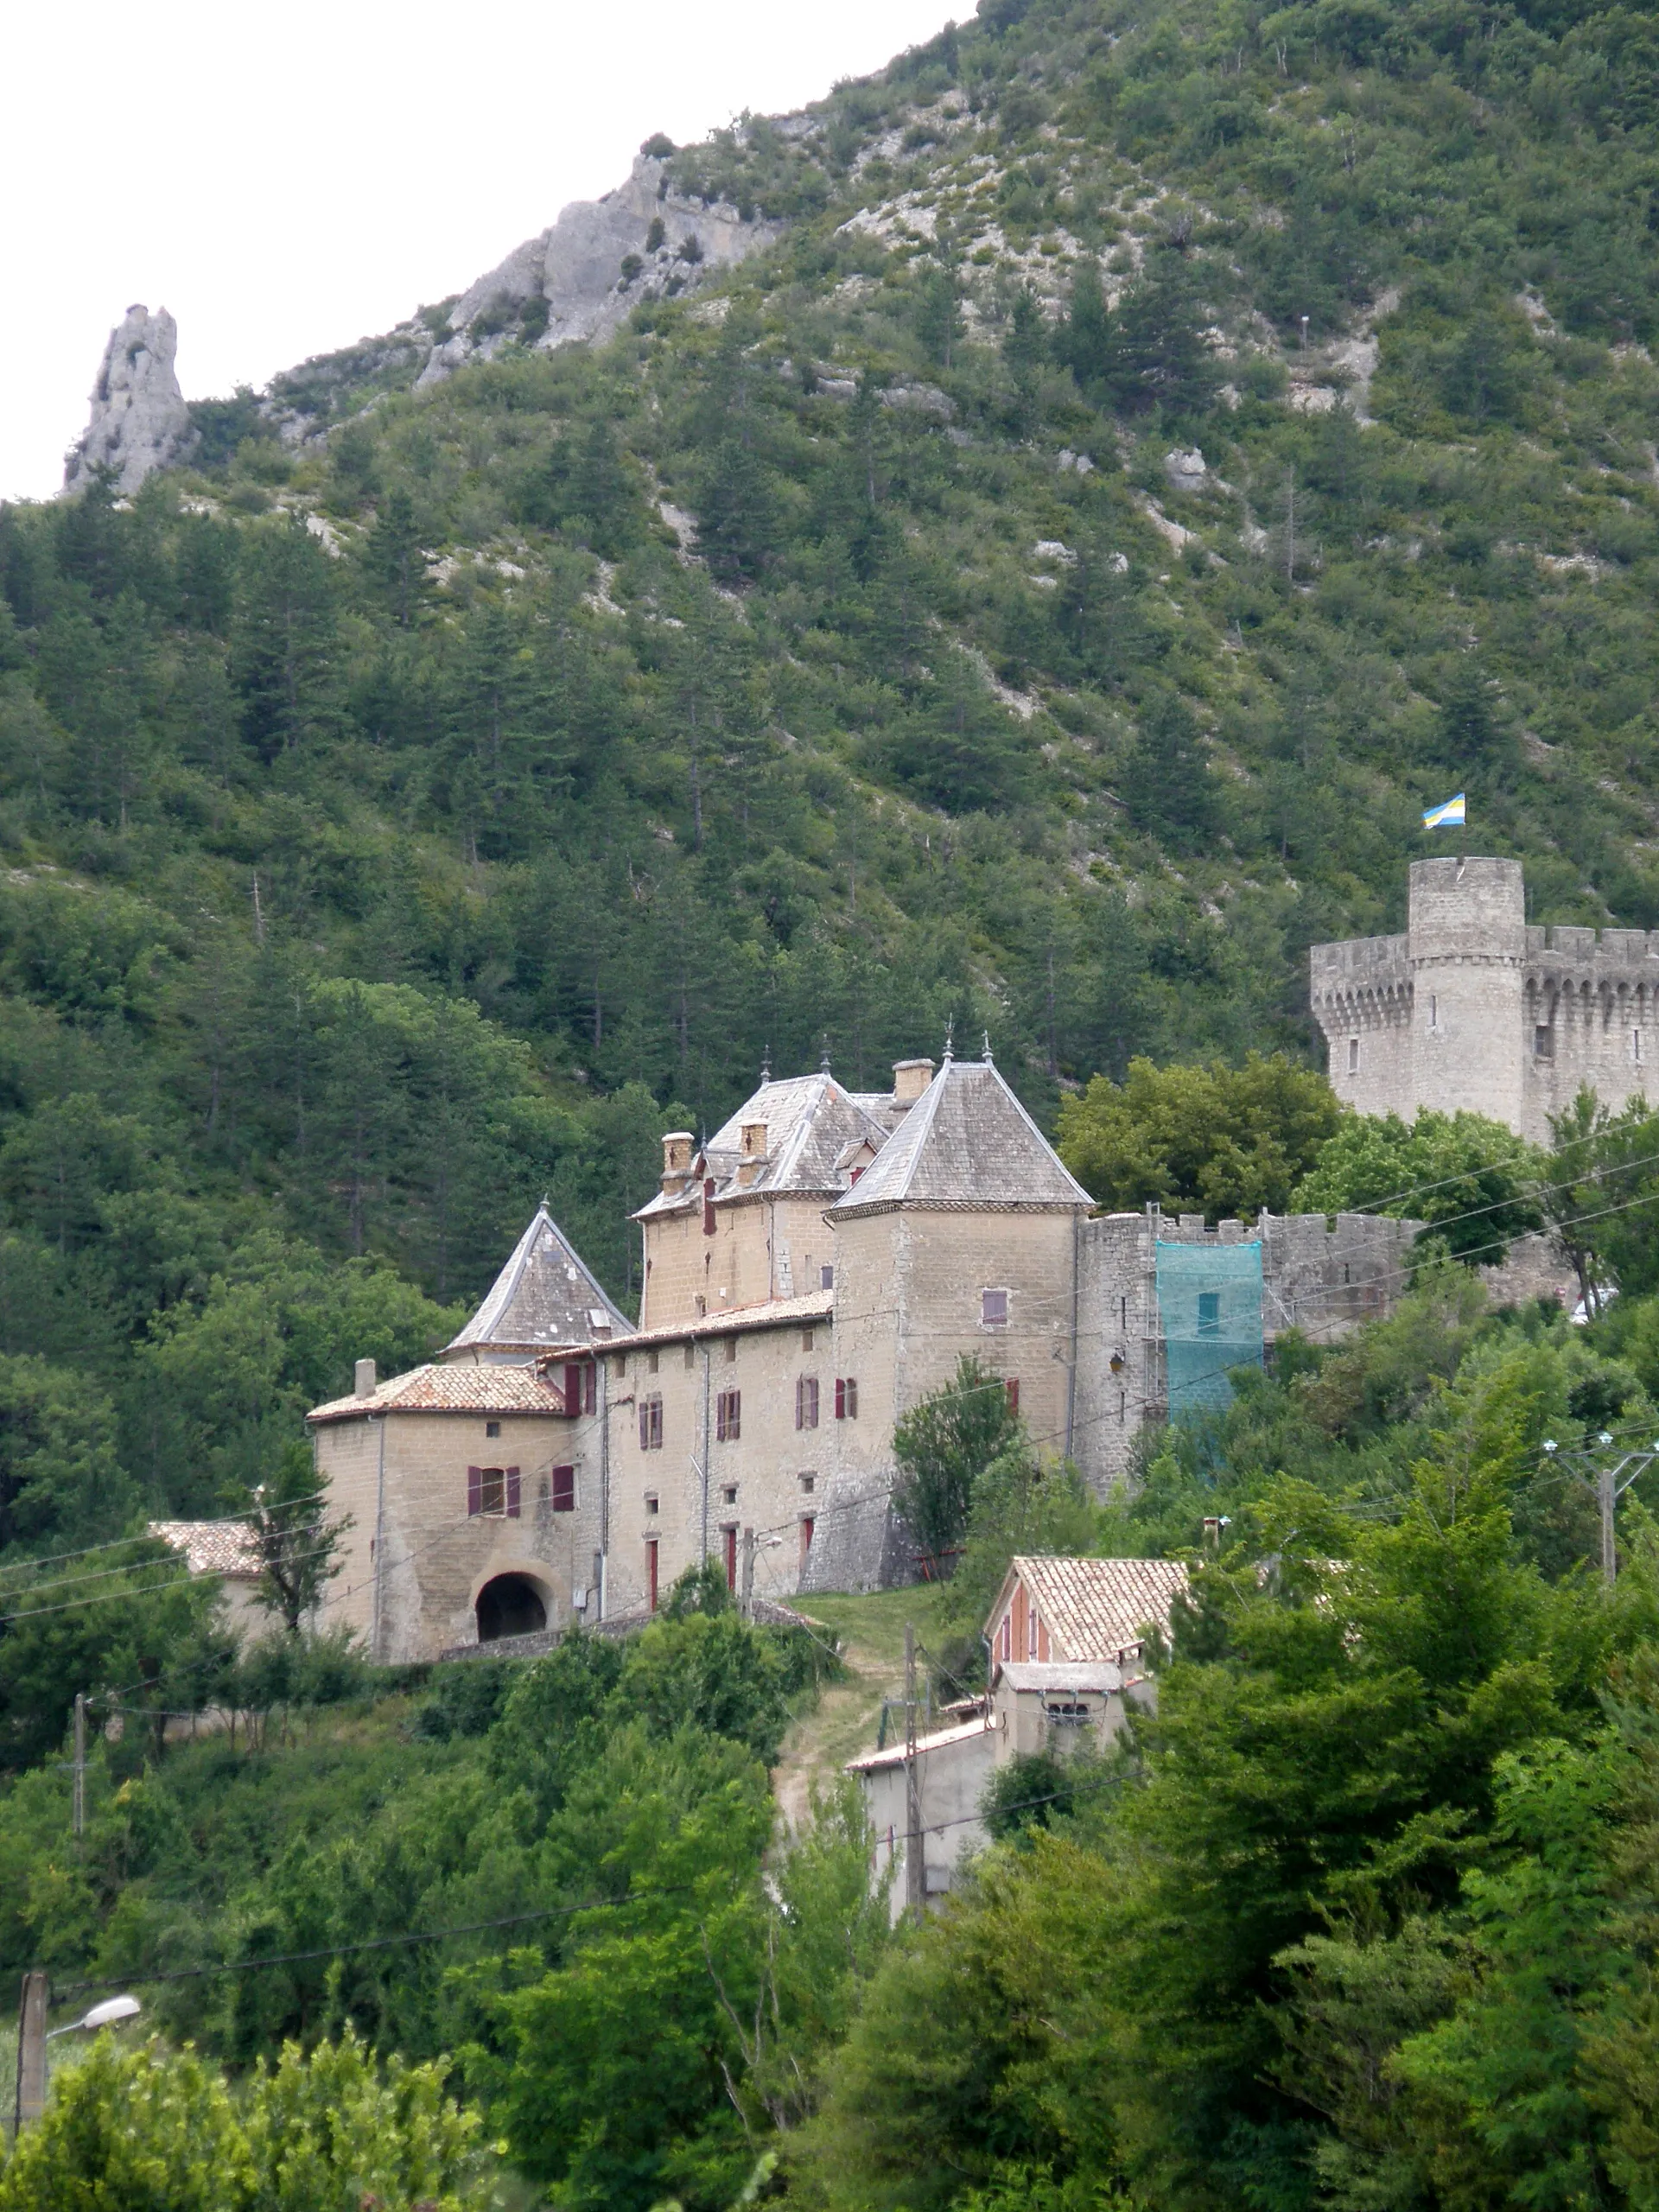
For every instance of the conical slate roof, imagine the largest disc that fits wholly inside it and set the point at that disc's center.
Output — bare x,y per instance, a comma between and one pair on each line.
546,1294
810,1121
967,1141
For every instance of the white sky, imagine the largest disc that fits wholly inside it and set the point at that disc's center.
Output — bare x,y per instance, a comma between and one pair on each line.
288,179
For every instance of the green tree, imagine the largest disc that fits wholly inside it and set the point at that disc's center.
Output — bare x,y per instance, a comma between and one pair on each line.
294,1541
943,1447
1471,1180
1221,1141
1165,780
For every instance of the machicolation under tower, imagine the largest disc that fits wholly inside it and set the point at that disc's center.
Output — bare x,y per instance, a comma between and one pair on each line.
1472,1010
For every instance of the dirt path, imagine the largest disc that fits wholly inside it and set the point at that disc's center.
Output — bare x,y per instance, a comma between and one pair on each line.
845,1722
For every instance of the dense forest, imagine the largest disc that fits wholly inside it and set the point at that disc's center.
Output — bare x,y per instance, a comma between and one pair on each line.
1166,448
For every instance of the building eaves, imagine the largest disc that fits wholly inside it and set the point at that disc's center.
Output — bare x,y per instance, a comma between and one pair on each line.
225,1547
1094,1609
941,1740
735,1320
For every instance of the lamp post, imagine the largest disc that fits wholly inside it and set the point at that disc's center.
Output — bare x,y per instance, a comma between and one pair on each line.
33,2036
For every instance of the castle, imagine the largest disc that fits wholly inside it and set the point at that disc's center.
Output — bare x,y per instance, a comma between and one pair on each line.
1473,1010
812,1272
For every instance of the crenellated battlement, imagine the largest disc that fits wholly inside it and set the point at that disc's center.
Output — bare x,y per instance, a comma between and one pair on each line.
1473,1010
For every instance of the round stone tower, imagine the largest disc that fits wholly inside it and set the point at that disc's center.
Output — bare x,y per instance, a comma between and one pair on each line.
1466,941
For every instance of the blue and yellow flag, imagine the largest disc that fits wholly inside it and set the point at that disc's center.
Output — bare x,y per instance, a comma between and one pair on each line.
1448,816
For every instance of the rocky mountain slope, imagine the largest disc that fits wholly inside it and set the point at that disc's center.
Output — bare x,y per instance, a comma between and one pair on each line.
1137,462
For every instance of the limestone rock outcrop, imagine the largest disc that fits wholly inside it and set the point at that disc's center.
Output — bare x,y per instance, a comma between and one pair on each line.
581,277
139,420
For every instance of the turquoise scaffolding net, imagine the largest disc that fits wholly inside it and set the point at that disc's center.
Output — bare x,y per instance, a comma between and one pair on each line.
1209,1306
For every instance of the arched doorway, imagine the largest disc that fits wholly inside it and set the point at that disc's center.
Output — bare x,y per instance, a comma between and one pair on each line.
509,1605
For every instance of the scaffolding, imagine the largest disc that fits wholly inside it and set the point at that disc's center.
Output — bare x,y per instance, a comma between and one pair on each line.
1210,1310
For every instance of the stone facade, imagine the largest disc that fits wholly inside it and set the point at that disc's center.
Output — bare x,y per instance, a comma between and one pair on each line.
812,1272
1473,1010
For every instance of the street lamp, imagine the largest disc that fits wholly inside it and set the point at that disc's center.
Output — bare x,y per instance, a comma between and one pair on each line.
109,2014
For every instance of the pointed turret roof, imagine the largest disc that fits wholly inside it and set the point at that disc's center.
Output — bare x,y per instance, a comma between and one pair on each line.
967,1143
546,1294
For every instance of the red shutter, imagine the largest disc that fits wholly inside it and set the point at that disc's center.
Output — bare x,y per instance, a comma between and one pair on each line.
474,1490
807,1526
1013,1388
564,1489
572,1387
841,1397
650,1570
731,1558
513,1493
709,1208
645,1424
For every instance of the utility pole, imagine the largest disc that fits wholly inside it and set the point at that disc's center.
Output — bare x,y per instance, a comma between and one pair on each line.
749,1574
1605,1498
31,2054
1610,1464
915,1868
80,1764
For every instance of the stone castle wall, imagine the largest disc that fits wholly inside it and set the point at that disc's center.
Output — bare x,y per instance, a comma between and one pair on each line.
1472,1010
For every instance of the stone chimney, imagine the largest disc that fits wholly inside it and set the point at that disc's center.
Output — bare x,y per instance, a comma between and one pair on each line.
363,1383
910,1079
677,1160
752,1148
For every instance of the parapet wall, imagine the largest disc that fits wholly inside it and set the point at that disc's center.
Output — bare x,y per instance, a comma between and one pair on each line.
1317,1277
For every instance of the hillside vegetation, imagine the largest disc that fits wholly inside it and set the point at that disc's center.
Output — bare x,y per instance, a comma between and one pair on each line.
1035,596
404,813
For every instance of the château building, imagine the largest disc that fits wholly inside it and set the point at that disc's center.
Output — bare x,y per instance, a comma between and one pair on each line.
815,1269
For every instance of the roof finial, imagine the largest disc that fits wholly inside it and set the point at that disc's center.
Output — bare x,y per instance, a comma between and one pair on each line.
823,1060
950,1032
990,1061
765,1065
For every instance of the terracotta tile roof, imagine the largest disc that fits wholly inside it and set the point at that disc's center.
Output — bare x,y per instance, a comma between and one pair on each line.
546,1294
451,1389
210,1547
730,1320
1096,1608
967,1141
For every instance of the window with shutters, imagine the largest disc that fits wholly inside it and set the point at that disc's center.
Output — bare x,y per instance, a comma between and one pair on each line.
808,1524
728,1416
651,1423
806,1402
581,1387
992,1308
846,1398
493,1492
564,1489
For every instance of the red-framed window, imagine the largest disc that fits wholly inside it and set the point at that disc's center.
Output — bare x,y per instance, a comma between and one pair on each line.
846,1398
492,1492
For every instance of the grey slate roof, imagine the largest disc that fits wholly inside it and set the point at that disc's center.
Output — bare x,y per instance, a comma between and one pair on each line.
546,1294
967,1141
812,1121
